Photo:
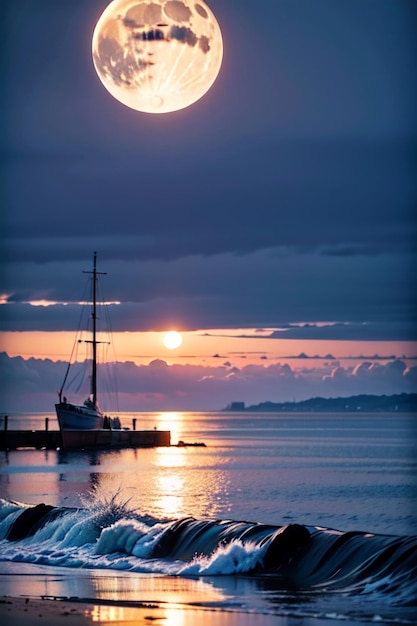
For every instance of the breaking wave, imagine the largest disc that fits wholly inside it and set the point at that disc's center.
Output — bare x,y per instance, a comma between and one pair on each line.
108,535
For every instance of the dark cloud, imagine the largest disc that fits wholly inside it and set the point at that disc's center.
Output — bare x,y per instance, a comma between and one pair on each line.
349,331
370,298
286,195
332,197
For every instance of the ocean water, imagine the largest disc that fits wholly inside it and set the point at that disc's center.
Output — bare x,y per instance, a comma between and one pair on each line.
299,515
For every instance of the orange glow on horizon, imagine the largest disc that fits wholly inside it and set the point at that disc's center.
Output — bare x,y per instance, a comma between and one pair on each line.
238,347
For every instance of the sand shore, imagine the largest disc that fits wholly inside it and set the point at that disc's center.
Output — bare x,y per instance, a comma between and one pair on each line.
72,612
50,612
33,611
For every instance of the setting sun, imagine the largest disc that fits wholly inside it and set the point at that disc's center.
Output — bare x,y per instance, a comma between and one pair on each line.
172,340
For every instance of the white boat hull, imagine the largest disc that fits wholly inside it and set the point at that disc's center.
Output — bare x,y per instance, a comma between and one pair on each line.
72,417
85,417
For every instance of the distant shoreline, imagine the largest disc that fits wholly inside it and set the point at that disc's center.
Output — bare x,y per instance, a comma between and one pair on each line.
397,403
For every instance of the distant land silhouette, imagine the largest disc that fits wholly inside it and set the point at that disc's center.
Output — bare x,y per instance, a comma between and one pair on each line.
401,403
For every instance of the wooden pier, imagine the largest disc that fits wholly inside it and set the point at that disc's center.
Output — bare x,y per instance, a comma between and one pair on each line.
83,439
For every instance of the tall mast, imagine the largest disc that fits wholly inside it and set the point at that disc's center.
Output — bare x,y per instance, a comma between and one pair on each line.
94,314
93,385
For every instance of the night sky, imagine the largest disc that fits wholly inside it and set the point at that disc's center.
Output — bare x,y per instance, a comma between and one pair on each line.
284,199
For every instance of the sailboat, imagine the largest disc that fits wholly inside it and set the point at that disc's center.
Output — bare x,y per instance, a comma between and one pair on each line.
87,416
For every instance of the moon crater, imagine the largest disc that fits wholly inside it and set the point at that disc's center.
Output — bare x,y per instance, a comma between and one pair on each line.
157,56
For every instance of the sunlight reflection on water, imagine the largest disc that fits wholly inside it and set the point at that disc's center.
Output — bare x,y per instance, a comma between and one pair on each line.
341,471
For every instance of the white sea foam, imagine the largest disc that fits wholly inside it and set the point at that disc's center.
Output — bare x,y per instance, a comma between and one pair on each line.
128,536
235,558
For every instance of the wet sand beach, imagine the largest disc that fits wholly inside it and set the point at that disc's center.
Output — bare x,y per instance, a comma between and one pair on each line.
72,612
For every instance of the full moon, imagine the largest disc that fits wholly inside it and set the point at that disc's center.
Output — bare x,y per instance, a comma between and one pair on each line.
172,340
157,56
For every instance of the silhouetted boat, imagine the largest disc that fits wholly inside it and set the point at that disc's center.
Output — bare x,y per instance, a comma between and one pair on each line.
87,416
184,444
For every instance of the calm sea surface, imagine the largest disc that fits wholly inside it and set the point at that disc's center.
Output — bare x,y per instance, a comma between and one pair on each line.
350,472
